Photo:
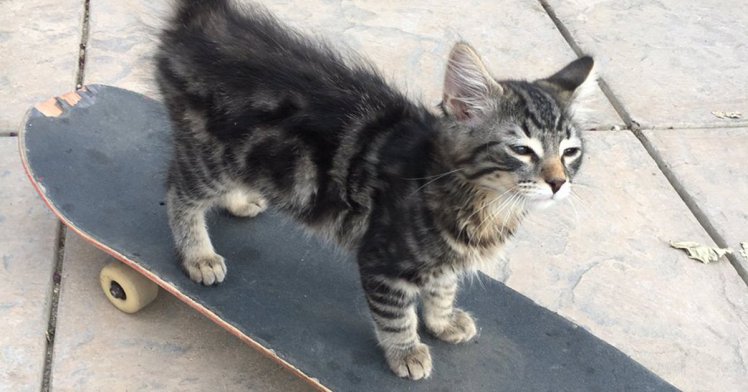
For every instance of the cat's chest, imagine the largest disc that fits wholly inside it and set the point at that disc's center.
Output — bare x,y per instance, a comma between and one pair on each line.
477,258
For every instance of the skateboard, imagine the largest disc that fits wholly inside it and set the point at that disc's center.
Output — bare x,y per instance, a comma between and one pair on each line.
98,159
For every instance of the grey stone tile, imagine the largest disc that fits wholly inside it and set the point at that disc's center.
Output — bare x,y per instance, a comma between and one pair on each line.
409,41
669,62
27,238
122,41
711,164
166,346
602,260
39,44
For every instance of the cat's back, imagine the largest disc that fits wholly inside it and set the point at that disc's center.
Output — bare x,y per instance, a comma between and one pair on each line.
243,51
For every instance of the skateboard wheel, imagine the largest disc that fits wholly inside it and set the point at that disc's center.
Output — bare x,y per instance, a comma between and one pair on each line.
125,288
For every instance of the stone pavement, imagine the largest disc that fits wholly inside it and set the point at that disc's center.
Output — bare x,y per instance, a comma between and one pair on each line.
674,172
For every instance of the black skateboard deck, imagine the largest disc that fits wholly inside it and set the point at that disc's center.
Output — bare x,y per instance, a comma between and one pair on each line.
98,158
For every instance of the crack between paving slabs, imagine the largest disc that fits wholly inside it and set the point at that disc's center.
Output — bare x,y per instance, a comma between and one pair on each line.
693,126
697,212
617,105
80,75
59,252
636,129
61,229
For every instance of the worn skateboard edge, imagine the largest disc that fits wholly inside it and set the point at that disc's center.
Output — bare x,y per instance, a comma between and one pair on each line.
53,108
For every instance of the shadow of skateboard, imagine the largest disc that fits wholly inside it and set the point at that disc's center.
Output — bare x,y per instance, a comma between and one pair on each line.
98,158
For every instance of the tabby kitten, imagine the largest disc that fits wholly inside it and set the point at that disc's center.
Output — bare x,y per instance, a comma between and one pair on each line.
264,116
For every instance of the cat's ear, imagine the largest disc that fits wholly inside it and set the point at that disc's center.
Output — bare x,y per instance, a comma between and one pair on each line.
574,81
468,87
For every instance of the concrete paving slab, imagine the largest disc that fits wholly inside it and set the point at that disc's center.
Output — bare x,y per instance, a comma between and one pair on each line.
122,42
166,346
27,239
602,260
39,41
712,164
670,63
409,41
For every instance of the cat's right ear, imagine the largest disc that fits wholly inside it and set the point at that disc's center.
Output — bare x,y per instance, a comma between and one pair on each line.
574,81
468,87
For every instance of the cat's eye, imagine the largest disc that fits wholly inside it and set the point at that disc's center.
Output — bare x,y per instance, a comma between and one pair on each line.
522,150
570,152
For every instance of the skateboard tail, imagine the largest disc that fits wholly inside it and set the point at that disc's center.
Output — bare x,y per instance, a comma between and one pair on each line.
58,107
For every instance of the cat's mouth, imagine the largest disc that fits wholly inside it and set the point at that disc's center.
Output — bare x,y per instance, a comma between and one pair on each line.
543,197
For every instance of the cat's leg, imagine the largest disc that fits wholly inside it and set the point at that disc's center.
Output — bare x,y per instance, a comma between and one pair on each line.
244,202
442,319
187,220
393,307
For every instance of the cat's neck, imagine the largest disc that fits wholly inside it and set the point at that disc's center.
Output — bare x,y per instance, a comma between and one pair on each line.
475,216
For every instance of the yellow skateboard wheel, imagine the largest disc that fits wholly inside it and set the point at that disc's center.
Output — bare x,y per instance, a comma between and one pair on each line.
127,289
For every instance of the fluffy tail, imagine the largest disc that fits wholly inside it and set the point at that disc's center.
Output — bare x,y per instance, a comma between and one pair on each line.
188,11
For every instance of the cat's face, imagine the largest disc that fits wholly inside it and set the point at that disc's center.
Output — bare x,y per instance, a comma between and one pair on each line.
514,139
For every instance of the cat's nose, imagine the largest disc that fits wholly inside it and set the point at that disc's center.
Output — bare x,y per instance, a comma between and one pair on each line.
555,183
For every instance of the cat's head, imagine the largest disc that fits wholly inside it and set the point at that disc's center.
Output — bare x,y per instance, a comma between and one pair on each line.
514,137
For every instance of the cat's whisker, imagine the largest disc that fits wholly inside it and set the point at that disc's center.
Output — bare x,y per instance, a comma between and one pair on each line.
492,216
590,191
583,203
477,228
509,203
435,175
576,195
432,181
504,221
582,184
503,224
573,206
467,220
500,207
521,200
477,277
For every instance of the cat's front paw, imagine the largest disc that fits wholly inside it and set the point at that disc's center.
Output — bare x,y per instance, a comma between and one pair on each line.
460,328
206,269
413,363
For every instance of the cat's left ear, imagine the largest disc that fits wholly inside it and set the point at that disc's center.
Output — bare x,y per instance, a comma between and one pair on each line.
573,81
469,90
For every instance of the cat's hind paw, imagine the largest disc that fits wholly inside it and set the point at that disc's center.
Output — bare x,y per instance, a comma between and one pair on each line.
245,205
413,363
207,270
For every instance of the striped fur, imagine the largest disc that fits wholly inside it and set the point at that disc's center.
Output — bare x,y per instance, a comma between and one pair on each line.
263,116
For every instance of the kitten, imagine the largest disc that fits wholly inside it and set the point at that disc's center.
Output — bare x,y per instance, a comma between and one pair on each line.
263,116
